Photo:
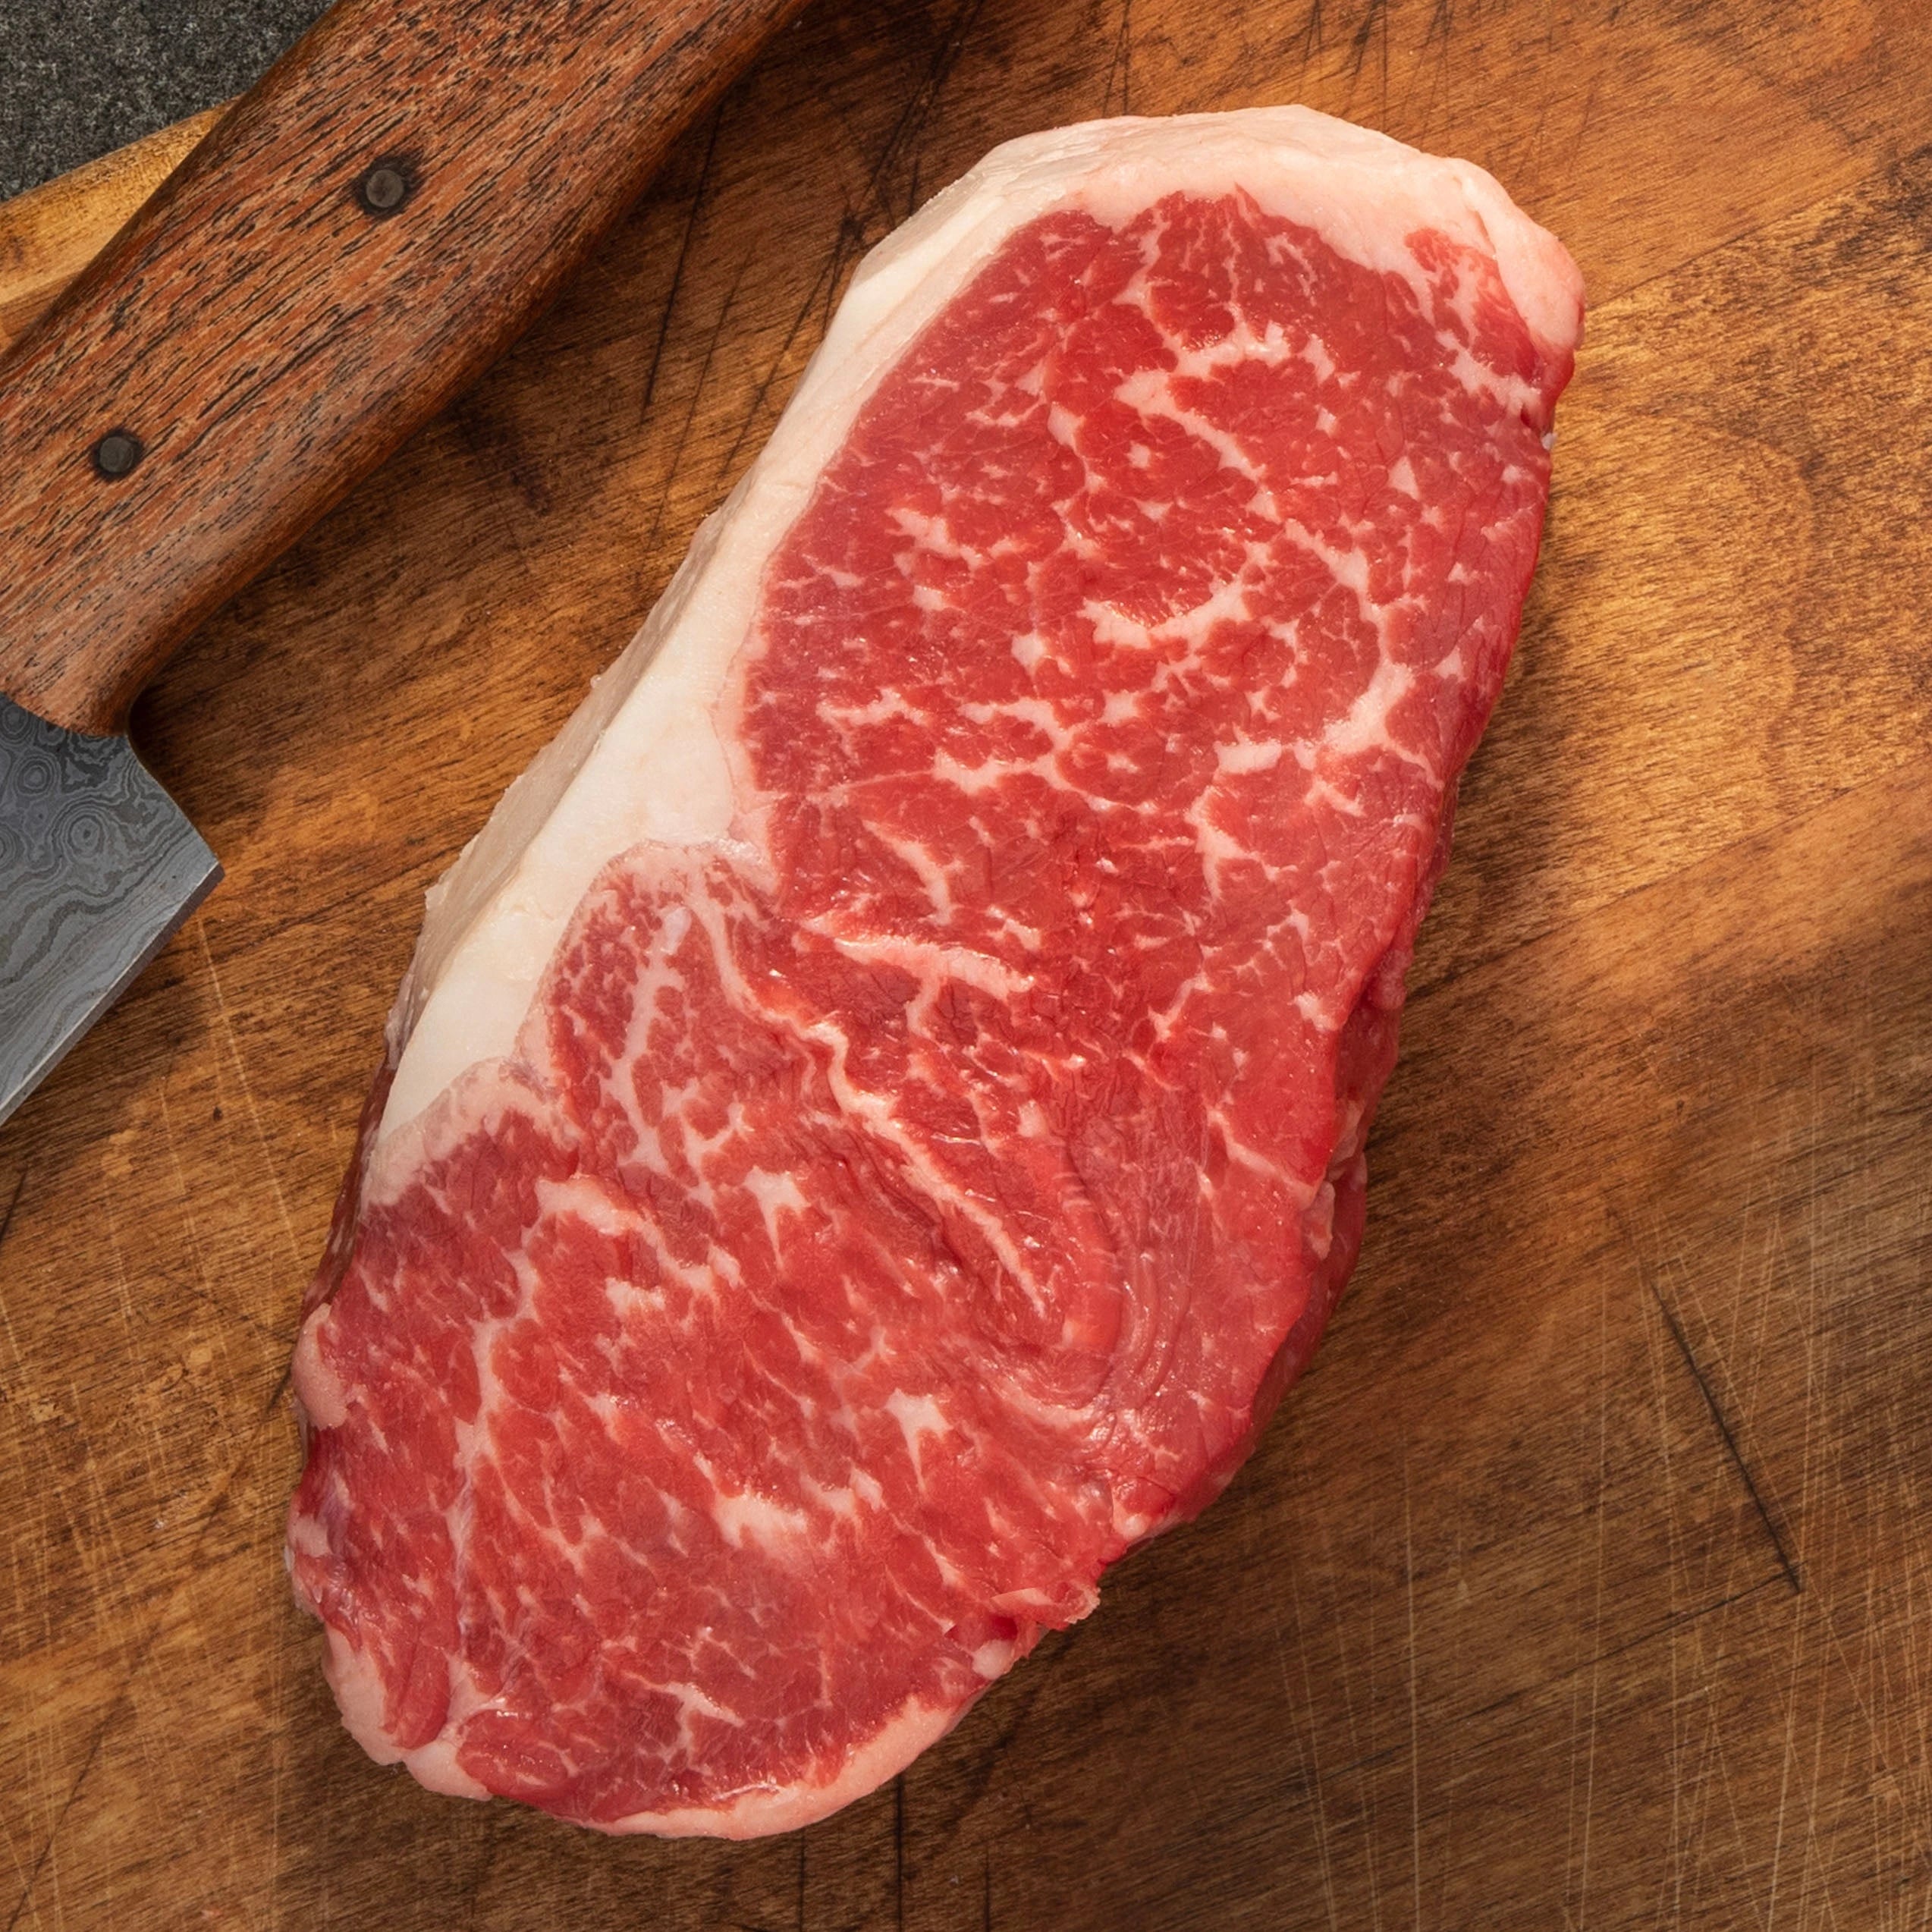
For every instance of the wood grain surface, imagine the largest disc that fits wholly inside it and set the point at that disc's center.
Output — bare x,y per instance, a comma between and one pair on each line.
49,234
1584,1582
353,242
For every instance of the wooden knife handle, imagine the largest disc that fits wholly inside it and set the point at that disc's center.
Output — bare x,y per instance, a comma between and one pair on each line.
357,240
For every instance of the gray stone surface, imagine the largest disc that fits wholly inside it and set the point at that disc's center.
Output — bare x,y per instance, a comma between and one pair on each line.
79,76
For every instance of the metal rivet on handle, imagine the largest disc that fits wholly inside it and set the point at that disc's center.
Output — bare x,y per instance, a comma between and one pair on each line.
117,453
385,187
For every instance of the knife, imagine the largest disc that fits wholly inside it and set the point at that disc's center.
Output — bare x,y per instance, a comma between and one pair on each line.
355,240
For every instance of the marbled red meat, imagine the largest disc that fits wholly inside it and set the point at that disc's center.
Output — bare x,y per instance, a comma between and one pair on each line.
895,1206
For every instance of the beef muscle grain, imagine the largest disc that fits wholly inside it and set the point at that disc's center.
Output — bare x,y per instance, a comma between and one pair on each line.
875,1121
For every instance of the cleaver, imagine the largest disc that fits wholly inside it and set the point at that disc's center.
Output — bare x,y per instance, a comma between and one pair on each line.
356,239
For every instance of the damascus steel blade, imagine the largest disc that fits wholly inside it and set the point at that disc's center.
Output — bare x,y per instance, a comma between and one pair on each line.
97,866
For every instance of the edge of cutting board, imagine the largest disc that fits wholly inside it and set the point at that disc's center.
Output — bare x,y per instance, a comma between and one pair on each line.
49,234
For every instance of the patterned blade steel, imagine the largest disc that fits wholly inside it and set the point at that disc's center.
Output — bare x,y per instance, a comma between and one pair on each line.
97,866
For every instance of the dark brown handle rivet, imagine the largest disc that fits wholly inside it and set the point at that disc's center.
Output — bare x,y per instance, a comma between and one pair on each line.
384,188
117,453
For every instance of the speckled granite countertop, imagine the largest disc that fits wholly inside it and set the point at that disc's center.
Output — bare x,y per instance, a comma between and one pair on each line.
79,76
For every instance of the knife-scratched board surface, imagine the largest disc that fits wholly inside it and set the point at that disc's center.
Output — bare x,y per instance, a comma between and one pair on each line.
1584,1582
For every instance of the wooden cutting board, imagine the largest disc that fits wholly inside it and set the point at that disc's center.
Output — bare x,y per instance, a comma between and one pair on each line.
1584,1582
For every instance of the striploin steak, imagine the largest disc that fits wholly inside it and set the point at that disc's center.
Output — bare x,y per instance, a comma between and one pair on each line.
875,1121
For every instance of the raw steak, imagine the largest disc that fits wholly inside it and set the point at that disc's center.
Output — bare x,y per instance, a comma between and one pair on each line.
875,1122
